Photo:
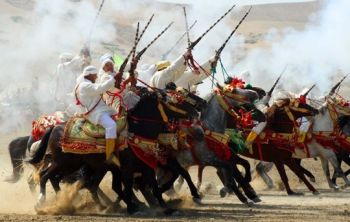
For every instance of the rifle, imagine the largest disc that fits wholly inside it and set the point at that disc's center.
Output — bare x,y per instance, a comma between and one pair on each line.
307,93
219,51
193,44
187,28
133,50
165,55
136,39
336,86
138,56
94,22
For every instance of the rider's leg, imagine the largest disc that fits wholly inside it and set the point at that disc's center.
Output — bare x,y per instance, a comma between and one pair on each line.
253,134
111,135
304,128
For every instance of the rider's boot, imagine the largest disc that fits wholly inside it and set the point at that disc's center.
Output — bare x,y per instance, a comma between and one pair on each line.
110,155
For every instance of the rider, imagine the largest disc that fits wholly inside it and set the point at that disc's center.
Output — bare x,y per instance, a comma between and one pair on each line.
88,94
263,106
169,72
67,71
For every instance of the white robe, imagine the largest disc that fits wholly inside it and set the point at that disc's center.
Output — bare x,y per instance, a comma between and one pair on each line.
66,75
89,95
189,78
170,74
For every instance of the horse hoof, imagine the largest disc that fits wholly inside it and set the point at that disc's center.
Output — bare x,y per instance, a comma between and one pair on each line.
249,203
295,194
223,192
316,193
256,200
313,179
335,187
197,200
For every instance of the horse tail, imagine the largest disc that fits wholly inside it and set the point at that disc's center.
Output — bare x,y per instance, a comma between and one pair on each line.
40,153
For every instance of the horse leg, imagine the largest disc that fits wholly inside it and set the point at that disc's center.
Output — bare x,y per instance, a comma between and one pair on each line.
238,160
283,175
46,175
338,169
305,171
17,151
175,165
340,159
295,168
127,176
325,167
261,168
247,188
200,176
150,175
231,186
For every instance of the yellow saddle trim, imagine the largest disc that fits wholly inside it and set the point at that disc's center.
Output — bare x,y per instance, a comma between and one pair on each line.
222,138
168,139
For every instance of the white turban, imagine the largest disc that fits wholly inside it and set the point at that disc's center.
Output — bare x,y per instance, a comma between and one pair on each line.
66,57
89,70
107,60
105,56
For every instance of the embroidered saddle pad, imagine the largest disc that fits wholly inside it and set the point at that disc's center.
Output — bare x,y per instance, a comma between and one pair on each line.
82,137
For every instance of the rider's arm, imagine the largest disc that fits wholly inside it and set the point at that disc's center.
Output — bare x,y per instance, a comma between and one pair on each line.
190,78
99,88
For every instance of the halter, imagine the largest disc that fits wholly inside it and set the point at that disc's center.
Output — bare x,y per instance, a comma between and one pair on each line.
225,105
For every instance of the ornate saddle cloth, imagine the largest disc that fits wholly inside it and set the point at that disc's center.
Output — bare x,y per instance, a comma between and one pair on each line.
218,143
40,125
148,151
82,137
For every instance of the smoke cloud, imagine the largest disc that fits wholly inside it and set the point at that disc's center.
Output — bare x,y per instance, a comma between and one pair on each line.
35,32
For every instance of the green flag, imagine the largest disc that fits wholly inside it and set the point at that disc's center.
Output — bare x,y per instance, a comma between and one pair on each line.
118,60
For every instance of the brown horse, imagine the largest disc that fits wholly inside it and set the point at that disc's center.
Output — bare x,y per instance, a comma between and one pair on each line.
271,151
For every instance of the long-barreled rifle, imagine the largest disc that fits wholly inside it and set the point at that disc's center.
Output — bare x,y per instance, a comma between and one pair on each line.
336,86
193,44
219,51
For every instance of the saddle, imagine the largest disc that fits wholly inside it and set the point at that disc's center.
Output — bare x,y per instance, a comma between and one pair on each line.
82,137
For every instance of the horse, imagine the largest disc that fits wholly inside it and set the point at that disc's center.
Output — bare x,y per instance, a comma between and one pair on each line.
201,155
146,108
269,152
324,125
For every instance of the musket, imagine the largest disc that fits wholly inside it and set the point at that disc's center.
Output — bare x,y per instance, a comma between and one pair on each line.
307,93
219,51
136,39
146,27
139,54
133,50
94,22
274,86
193,44
187,28
276,82
165,55
336,86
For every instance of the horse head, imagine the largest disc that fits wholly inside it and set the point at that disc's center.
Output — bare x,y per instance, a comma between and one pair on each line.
288,112
192,99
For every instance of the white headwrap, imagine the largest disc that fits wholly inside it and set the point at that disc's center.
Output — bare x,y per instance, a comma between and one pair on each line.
105,56
66,57
107,60
89,70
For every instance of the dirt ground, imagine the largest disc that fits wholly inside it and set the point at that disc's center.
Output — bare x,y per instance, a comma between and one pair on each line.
17,203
